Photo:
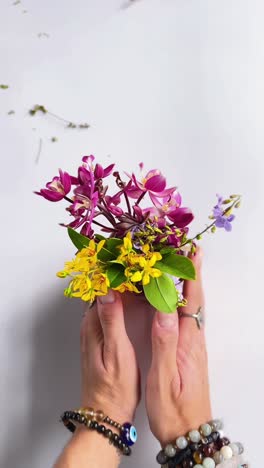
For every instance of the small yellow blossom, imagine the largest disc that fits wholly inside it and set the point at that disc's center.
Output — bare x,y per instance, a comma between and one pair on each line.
128,286
126,248
88,276
145,274
85,260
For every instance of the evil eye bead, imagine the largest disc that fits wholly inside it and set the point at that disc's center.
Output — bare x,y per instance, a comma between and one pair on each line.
128,434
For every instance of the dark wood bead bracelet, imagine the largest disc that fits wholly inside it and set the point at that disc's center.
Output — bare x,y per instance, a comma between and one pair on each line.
69,416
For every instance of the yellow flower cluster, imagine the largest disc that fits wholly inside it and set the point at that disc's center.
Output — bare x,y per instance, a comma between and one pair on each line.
139,266
88,274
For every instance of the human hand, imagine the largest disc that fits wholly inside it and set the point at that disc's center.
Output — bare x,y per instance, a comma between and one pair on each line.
177,391
110,375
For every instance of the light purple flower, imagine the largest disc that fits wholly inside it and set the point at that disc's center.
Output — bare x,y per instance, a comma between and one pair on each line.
222,220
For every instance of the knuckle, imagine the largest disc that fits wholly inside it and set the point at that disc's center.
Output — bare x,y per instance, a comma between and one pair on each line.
163,340
107,316
195,354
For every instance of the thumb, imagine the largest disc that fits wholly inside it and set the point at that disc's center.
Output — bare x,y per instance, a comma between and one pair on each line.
165,333
111,316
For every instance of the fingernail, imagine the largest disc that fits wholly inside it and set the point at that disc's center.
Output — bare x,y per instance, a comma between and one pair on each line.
167,320
108,299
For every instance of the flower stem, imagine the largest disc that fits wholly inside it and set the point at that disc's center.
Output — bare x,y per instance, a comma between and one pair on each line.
101,225
127,202
140,198
110,218
39,151
68,199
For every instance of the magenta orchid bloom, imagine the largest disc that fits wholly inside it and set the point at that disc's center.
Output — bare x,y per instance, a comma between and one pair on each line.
181,217
164,223
58,188
154,183
98,170
165,205
112,204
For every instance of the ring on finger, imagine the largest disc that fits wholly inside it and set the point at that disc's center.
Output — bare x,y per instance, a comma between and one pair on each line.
198,317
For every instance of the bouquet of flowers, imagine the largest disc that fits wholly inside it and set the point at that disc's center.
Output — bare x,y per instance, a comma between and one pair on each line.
141,250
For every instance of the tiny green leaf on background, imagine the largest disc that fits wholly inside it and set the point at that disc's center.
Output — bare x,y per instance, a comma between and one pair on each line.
162,294
77,239
177,265
116,275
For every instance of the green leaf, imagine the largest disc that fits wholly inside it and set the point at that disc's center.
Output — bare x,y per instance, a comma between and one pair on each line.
177,265
99,237
162,294
116,275
77,239
167,250
110,251
113,243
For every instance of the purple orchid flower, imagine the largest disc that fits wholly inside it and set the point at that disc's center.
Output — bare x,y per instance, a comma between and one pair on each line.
154,183
58,188
112,204
165,205
181,217
169,207
101,173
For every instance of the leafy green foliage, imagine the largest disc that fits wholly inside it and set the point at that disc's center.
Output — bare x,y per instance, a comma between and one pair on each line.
116,275
177,265
162,294
77,239
110,250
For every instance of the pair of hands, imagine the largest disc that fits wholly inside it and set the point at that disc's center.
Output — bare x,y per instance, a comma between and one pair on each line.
177,390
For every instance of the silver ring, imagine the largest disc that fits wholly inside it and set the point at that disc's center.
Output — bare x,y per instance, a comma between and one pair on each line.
199,317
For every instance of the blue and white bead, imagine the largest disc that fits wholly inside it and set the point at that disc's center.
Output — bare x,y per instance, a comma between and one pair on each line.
208,463
170,450
216,424
226,451
128,434
235,448
195,436
205,429
181,442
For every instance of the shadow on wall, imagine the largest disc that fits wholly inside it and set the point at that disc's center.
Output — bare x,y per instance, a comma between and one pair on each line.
55,378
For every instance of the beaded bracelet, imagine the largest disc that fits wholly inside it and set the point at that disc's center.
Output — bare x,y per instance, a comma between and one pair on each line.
90,418
127,431
115,439
204,447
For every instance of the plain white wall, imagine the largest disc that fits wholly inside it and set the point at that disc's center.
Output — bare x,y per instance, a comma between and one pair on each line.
178,84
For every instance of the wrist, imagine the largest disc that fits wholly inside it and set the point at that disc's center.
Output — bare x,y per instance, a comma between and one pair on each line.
111,409
87,449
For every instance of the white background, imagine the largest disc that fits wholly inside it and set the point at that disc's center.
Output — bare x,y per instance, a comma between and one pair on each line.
178,84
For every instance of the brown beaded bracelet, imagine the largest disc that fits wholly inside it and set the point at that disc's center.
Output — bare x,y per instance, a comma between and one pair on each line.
99,416
69,418
128,432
